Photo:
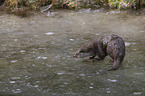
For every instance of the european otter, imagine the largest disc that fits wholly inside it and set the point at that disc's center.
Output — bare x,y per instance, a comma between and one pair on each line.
112,45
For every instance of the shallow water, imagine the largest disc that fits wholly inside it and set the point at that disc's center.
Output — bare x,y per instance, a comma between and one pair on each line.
36,54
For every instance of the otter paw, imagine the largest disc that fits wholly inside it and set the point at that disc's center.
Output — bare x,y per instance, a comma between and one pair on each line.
112,69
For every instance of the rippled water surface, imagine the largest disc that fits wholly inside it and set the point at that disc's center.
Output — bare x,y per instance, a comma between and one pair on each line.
36,54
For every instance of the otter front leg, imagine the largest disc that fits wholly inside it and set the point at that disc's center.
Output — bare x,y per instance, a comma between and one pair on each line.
96,58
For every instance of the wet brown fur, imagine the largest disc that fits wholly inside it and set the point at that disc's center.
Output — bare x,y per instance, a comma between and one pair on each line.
112,45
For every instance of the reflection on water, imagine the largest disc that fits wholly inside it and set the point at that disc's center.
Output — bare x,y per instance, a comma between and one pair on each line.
49,33
36,54
128,44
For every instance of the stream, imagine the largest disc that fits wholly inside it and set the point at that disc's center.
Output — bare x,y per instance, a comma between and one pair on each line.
36,54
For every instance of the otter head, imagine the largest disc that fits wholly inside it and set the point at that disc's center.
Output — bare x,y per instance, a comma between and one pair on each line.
85,51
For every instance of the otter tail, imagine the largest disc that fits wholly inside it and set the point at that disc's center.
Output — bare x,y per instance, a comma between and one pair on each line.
116,64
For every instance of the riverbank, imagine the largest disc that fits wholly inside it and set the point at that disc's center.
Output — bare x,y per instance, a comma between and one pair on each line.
23,7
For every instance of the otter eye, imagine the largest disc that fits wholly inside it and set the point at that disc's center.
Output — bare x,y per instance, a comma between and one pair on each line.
81,51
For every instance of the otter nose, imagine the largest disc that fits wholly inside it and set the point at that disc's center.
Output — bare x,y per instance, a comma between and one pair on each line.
74,55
